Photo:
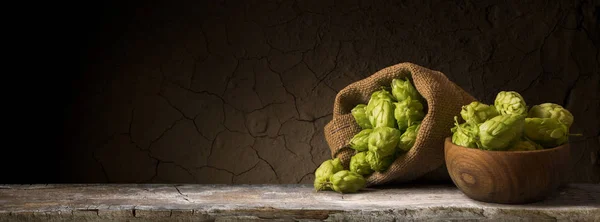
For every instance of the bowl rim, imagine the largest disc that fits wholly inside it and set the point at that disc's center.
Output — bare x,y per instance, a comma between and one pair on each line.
448,140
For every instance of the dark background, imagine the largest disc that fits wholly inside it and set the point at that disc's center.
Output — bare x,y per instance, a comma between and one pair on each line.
239,91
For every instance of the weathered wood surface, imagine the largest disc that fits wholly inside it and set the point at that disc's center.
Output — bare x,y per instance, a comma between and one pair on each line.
169,202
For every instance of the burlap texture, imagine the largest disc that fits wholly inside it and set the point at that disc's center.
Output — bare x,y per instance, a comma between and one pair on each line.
426,159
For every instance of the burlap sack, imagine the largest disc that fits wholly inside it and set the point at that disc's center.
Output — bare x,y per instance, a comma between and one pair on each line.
426,158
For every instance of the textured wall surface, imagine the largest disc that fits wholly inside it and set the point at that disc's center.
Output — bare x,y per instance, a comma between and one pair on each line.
239,91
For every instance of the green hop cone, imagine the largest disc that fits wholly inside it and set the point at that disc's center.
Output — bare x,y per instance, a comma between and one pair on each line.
359,164
552,110
408,138
525,145
345,181
403,89
383,114
329,167
510,102
322,183
383,140
360,116
547,132
476,112
360,141
464,134
381,94
324,172
501,131
377,162
408,112
377,96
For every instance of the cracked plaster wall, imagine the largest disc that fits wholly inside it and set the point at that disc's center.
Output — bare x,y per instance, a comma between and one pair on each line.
239,91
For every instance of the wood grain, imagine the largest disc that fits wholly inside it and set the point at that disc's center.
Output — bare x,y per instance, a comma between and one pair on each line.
508,177
193,202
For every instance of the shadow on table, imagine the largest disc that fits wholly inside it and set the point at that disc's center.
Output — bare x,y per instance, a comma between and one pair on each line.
572,195
576,195
417,184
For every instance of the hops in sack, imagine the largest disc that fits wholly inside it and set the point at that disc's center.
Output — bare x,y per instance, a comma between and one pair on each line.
360,115
383,140
508,125
408,112
389,125
408,138
360,141
360,165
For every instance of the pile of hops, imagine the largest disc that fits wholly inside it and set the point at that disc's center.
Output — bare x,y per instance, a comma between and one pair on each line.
509,125
389,125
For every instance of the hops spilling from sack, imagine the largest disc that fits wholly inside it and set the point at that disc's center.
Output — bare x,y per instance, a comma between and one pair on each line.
508,125
389,124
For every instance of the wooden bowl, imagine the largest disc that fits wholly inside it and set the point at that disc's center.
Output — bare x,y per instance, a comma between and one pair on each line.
507,177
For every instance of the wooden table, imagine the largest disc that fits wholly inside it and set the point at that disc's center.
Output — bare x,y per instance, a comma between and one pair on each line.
170,202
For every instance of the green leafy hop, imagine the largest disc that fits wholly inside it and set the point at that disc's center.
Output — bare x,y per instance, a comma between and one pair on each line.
382,114
360,116
360,141
408,112
379,163
465,134
383,140
510,102
324,172
552,110
346,181
403,89
476,112
547,132
408,138
359,164
501,131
